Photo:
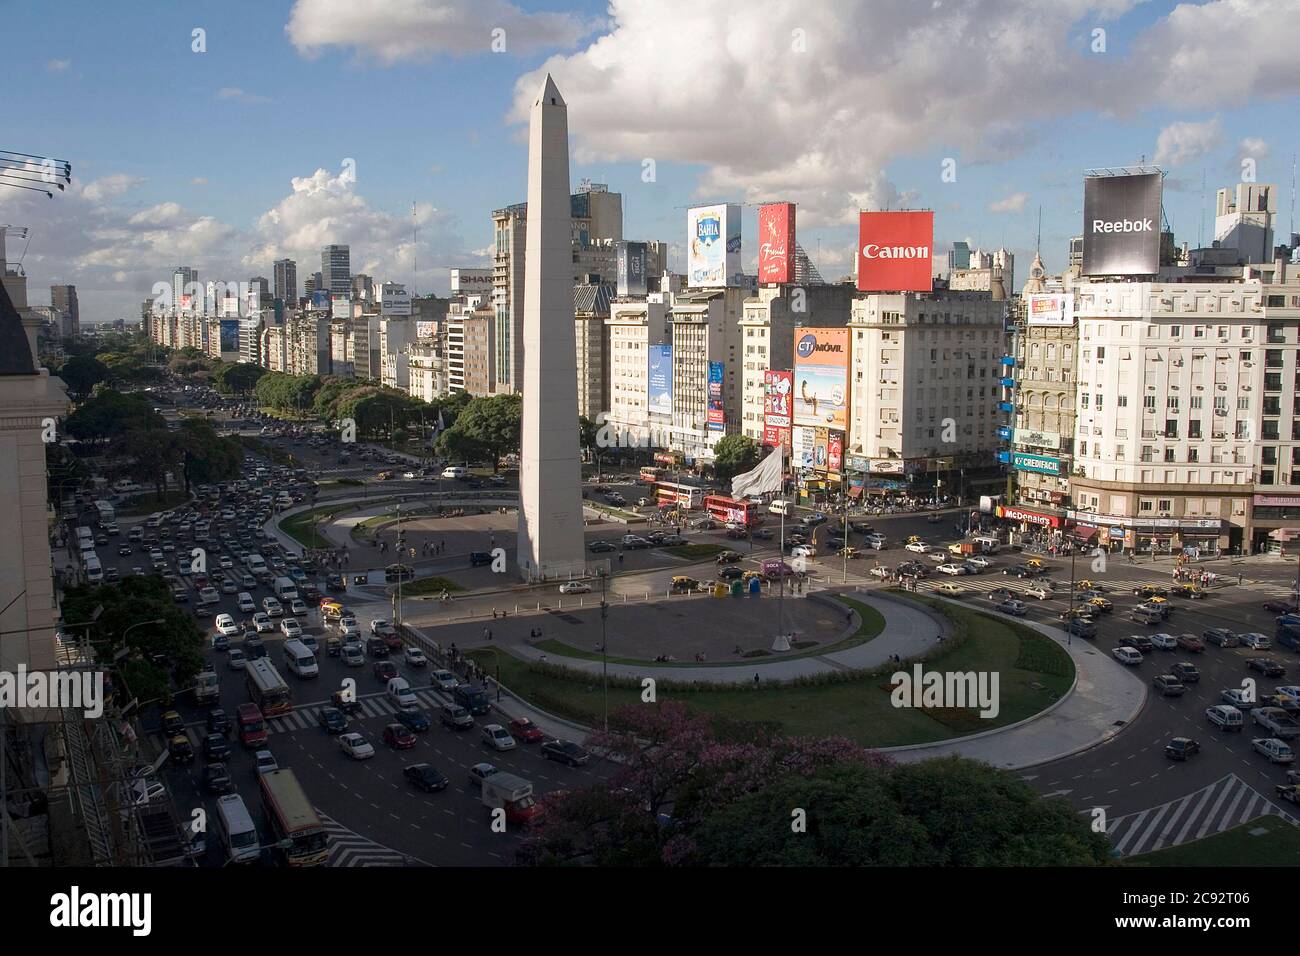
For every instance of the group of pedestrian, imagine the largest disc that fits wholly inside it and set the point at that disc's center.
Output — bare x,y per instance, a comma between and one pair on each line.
535,633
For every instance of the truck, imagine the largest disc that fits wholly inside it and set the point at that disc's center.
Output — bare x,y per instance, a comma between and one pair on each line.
207,687
965,549
1277,721
505,791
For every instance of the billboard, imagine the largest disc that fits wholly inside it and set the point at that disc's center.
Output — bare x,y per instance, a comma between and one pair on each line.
659,380
394,299
835,452
320,299
631,268
894,251
1121,224
821,378
803,447
230,335
341,307
712,245
717,415
1056,308
1038,464
776,242
777,386
773,436
1028,436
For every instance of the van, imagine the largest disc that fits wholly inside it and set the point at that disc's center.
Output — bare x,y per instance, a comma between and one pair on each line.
252,725
987,543
285,589
1225,717
455,471
780,507
876,541
299,659
235,829
94,571
1146,615
400,693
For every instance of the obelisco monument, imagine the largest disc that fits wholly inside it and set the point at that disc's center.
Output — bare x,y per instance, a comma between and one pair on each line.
550,476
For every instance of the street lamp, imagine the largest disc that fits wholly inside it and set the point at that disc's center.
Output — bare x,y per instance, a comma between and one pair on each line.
604,643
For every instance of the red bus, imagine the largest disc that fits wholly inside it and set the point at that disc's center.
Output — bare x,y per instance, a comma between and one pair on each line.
726,509
672,493
650,474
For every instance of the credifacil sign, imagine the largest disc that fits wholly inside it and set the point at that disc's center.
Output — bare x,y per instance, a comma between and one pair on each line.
1040,464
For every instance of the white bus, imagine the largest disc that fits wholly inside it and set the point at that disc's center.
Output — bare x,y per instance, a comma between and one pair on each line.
107,514
299,659
235,827
267,689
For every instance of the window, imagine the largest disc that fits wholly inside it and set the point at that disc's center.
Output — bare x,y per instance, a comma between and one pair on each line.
1175,331
1171,403
1121,401
1146,505
1148,453
1171,428
1269,431
1165,505
1169,454
1097,398
1084,399
1149,402
1101,352
1194,428
1268,455
1266,476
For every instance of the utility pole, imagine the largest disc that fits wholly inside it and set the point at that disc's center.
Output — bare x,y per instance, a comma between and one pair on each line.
604,642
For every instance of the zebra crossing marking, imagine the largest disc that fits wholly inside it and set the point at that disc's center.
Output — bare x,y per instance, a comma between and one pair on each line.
1171,823
347,848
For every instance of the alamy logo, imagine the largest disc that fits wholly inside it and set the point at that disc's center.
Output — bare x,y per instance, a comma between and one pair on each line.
946,689
1123,225
74,690
76,909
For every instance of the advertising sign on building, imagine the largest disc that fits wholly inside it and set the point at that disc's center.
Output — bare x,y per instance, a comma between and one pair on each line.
776,242
713,245
320,299
1121,224
1056,308
230,335
1028,517
631,268
821,448
858,463
887,466
659,380
1039,464
394,300
1028,436
821,377
341,307
777,386
835,452
894,251
717,414
803,449
773,436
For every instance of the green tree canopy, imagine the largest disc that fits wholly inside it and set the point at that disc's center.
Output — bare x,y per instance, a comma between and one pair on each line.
237,378
733,455
81,373
109,414
491,424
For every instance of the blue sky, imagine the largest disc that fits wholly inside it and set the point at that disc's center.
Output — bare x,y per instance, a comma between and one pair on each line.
184,157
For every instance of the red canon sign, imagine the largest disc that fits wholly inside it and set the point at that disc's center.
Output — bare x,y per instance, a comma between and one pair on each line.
776,242
894,251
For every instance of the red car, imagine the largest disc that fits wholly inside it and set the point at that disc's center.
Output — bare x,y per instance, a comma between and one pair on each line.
525,731
1190,642
398,737
385,671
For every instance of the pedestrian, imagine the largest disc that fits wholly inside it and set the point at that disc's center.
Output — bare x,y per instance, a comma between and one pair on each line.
755,679
848,616
1240,578
494,614
489,633
620,557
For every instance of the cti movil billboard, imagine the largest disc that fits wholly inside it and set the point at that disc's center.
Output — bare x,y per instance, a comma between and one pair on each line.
776,242
1121,224
712,245
895,251
821,378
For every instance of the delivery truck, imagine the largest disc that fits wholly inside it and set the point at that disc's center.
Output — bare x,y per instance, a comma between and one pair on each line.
513,794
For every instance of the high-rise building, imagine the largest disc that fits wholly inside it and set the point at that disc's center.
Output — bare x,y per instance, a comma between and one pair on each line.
286,282
363,289
958,256
1243,220
590,310
185,290
64,298
336,270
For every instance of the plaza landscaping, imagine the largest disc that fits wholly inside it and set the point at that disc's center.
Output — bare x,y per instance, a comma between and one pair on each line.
1034,673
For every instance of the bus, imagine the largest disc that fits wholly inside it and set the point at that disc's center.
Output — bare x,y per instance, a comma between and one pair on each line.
107,514
651,474
267,689
293,819
236,830
674,493
726,510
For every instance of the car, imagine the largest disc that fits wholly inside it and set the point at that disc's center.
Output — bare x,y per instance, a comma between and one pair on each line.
356,746
217,779
1026,571
1255,641
575,587
1277,751
415,657
382,628
1127,655
1150,591
1181,748
412,718
1224,716
949,590
334,582
426,777
1013,607
272,607
728,557
1139,642
953,569
1081,627
290,628
1100,605
264,762
497,737
1168,686
566,752
399,736
237,660
1282,607
919,547
1165,642
218,721
298,607
478,773
1041,591
172,723
262,623
220,643
1190,642
384,671
216,747
979,561
124,550
1267,666
601,547
730,573
1185,672
444,680
525,731
1238,698
1220,637
332,720
455,717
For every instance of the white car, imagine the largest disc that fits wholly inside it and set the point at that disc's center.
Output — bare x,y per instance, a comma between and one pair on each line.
1275,750
953,569
209,596
979,561
226,625
575,587
272,607
1239,698
1127,655
263,623
920,547
415,657
1255,641
246,603
382,628
444,680
349,629
1040,591
298,607
290,627
497,737
237,660
264,762
1166,642
803,551
356,746
410,475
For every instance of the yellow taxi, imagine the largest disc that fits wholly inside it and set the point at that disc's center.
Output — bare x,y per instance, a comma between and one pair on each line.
1100,604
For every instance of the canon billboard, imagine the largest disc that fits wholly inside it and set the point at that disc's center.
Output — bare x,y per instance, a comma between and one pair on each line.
1121,225
894,251
776,242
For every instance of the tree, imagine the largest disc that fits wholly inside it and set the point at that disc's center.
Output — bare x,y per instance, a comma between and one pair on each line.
587,432
109,414
733,455
148,455
237,378
206,457
81,373
491,424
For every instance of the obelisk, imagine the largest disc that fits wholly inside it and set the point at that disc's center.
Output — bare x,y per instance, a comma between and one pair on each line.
550,475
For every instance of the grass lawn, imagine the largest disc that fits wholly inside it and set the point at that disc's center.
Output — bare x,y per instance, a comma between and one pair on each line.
1279,845
1033,670
433,585
147,504
302,527
696,550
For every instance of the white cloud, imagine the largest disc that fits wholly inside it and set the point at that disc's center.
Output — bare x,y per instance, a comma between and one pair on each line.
1013,203
1180,143
1254,147
198,181
58,66
240,96
110,187
393,30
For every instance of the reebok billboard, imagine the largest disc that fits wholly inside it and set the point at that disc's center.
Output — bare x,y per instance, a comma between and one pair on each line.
894,251
1121,225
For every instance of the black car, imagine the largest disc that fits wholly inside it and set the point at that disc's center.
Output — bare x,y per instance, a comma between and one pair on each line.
377,648
426,777
1180,748
216,778
1281,607
479,557
415,720
1267,666
1185,672
123,550
220,642
1220,636
565,751
219,721
332,720
344,702
216,747
334,582
600,547
1138,642
254,647
730,573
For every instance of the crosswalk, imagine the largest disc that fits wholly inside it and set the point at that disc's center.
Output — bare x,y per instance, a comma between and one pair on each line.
1222,805
303,718
347,848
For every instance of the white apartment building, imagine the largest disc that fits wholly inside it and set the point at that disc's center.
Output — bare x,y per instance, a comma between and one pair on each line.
428,379
455,350
633,326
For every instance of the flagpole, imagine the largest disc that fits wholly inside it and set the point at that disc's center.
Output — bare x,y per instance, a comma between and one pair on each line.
780,552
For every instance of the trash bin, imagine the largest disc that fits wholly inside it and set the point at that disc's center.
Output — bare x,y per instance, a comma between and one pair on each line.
755,586
737,589
720,589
